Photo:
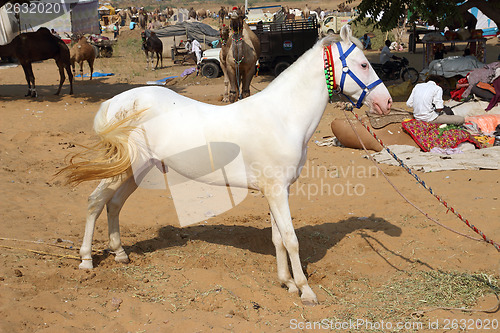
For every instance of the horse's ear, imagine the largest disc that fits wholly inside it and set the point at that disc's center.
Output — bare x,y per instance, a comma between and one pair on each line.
346,33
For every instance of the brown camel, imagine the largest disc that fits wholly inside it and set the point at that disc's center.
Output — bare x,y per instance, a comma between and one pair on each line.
80,52
238,57
222,14
143,19
36,46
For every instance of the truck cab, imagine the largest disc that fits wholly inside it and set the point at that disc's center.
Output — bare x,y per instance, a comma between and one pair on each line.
332,23
210,63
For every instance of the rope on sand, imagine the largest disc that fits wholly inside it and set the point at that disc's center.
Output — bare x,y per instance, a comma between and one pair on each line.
69,256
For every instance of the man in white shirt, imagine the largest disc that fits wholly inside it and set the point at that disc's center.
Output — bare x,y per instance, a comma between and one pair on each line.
426,99
196,48
385,58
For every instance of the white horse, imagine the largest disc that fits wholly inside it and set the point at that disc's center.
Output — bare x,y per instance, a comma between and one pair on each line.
271,129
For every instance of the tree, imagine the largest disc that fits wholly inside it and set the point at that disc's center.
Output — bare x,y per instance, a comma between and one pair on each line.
438,12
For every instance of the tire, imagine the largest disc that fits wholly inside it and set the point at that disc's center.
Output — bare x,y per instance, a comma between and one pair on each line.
210,70
410,74
280,67
330,32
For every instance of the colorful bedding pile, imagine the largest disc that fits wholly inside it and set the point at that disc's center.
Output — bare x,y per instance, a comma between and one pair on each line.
429,136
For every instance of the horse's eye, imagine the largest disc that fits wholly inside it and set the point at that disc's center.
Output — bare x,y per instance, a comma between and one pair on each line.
364,65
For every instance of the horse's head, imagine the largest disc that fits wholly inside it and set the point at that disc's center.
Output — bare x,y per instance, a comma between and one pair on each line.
354,75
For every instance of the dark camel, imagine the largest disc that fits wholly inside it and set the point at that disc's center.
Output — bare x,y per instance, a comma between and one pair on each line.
36,46
152,44
238,57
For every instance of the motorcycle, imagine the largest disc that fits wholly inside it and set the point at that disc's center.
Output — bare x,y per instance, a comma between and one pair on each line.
401,71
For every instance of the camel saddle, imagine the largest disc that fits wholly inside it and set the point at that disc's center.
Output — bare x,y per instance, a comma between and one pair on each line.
395,116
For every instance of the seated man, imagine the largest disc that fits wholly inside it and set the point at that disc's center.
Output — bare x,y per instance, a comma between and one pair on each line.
385,59
426,99
367,43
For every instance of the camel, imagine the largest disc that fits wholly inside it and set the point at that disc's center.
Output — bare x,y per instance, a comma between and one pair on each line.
80,52
306,12
238,57
143,19
151,43
36,46
192,13
169,12
201,14
222,14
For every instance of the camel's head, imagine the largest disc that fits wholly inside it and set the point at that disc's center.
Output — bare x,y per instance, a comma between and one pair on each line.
224,33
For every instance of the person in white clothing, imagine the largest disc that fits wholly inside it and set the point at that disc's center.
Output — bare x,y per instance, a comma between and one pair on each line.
426,99
385,58
196,49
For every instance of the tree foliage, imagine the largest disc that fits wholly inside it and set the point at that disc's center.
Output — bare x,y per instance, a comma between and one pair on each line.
387,14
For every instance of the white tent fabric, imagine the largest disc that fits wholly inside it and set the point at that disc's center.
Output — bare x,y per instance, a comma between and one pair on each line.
484,22
8,26
81,17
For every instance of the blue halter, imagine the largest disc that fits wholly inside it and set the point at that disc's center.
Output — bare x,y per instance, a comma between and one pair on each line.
346,70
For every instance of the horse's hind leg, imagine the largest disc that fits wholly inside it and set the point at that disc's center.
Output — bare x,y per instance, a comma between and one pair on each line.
157,60
114,207
100,197
278,202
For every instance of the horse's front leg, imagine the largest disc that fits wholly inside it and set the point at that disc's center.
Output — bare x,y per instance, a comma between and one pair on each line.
147,59
114,207
278,202
284,276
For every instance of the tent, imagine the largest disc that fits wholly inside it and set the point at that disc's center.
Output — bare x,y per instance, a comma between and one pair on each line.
484,22
8,26
202,32
72,18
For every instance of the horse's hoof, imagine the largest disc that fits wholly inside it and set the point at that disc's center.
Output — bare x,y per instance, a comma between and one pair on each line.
292,289
86,264
310,302
122,260
122,257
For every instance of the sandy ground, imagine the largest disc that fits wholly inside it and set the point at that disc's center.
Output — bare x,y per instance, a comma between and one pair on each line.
367,253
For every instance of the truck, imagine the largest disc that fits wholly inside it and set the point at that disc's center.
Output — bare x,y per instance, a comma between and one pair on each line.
332,23
281,43
284,41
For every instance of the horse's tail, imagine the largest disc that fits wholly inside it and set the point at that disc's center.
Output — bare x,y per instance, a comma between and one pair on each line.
112,156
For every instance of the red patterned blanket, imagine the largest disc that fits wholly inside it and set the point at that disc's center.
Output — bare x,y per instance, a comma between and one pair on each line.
428,135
